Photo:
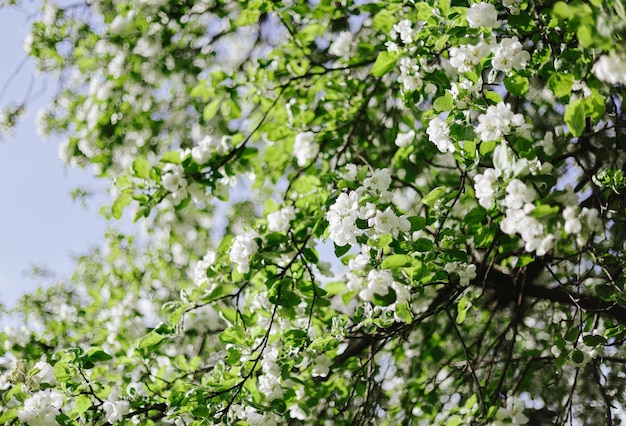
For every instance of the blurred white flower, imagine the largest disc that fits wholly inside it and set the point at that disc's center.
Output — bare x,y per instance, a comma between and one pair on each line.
482,15
304,148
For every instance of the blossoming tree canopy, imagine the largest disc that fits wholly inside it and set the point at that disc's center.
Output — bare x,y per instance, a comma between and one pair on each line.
350,212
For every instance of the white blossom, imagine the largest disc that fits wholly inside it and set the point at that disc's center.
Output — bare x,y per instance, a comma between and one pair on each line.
202,152
512,413
405,30
174,178
386,222
379,181
518,194
199,271
482,15
509,54
304,148
438,133
497,121
548,143
342,217
513,6
377,282
405,139
242,249
611,69
342,45
114,408
484,187
358,262
279,221
466,274
321,366
572,223
410,76
270,387
41,408
45,374
350,172
466,56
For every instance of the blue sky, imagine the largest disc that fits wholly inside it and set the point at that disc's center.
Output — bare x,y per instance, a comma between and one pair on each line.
39,222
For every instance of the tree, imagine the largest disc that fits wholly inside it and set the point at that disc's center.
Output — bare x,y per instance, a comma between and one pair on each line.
352,212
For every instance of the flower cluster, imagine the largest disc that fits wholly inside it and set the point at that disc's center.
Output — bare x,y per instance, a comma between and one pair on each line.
115,408
582,225
439,134
41,408
279,221
512,413
208,146
304,148
342,216
465,272
342,45
244,246
611,69
482,15
200,269
269,381
519,220
509,54
175,182
410,76
497,121
405,139
466,56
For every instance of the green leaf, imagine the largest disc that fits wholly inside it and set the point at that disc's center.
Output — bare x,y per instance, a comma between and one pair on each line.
96,355
544,210
384,300
62,372
82,404
397,261
443,103
585,35
384,20
595,105
424,11
423,245
516,84
417,223
210,110
151,340
9,414
494,97
455,420
561,84
119,204
172,157
577,356
575,117
433,196
305,184
334,288
384,63
572,334
561,10
141,167
248,17
341,250
403,312
591,340
348,296
487,147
